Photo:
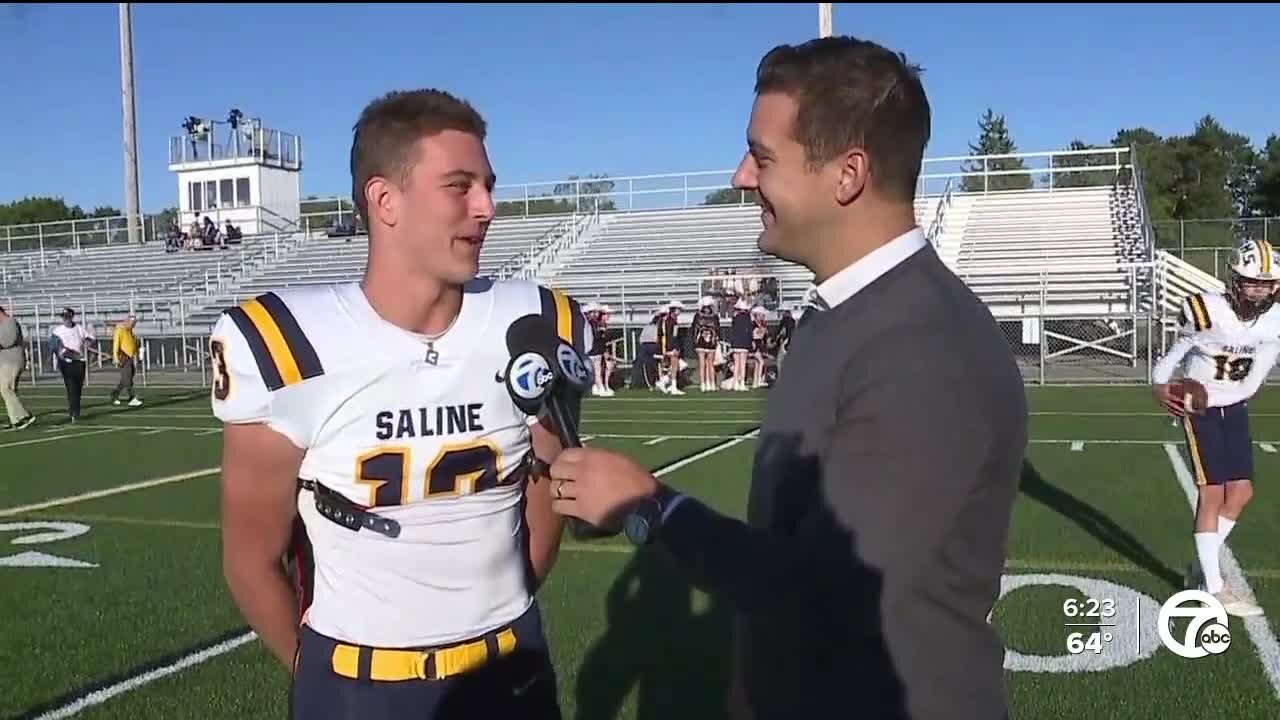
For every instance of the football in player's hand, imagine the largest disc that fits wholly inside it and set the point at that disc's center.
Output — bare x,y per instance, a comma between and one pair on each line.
1188,395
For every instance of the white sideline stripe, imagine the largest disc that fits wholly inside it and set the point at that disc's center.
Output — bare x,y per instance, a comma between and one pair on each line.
155,431
52,438
133,683
106,492
1264,640
1077,446
705,453
100,696
657,440
1267,447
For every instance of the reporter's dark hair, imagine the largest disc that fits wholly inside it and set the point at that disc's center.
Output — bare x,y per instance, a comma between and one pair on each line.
854,93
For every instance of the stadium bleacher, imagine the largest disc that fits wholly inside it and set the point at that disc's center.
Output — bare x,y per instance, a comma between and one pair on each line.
635,261
1027,253
106,282
323,260
1073,246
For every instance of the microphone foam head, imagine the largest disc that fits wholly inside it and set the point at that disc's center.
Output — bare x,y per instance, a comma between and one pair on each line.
531,333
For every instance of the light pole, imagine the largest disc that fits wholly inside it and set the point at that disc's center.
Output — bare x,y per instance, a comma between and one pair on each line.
132,209
824,19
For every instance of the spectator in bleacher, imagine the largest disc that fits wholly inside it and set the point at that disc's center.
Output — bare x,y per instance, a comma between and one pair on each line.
229,233
210,232
195,232
13,360
124,348
69,344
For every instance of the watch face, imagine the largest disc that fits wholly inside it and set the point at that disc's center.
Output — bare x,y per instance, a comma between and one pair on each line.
636,528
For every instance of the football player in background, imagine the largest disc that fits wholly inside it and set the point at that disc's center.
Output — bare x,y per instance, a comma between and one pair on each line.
1228,342
706,338
372,417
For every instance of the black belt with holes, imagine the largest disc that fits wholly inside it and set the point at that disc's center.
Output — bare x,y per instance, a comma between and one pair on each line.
335,507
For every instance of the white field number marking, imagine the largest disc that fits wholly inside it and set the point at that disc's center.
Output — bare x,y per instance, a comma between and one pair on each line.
52,532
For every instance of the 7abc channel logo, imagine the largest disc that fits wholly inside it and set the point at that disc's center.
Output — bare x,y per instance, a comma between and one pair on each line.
1206,632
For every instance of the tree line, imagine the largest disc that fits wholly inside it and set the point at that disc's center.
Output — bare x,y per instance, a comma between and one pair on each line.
1211,173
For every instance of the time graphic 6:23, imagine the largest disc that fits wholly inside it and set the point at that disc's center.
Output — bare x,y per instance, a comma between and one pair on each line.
1089,608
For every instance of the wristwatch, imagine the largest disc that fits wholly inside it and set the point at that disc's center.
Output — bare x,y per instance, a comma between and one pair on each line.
644,521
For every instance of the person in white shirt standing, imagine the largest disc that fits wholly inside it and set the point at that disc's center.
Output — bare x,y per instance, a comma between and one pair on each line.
68,343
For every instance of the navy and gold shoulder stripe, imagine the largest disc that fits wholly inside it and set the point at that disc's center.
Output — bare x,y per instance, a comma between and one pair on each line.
1199,312
284,354
565,314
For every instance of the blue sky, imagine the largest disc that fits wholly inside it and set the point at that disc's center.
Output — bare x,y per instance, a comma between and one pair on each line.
577,89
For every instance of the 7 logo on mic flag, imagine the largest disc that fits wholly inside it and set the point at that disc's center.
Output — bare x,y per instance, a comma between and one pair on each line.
529,375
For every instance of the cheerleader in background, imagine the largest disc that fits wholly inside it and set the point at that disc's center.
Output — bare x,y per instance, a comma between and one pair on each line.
740,344
759,343
601,351
706,338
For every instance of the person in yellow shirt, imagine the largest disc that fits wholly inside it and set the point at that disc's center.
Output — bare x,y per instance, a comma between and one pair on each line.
124,348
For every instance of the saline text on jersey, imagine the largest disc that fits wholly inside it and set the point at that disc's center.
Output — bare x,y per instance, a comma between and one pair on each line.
429,421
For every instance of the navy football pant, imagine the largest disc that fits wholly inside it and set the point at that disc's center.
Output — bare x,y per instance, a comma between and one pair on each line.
518,686
1220,445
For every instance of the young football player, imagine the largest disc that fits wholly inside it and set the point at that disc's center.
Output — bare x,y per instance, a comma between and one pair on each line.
1228,342
706,337
375,415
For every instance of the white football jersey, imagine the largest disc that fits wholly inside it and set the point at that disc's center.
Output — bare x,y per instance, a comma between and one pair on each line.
1230,356
435,446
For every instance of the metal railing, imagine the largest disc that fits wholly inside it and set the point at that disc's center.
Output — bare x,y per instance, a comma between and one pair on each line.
674,191
939,215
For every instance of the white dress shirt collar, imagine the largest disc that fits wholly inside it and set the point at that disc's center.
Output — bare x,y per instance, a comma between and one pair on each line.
846,283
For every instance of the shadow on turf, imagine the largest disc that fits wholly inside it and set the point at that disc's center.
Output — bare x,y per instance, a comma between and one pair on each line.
680,663
676,659
1096,523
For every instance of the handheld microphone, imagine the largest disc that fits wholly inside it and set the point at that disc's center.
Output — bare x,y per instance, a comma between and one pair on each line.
542,371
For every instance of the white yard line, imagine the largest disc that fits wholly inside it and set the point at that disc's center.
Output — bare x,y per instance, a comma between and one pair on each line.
1267,447
1077,446
133,683
718,447
98,697
64,436
106,492
657,440
1264,640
